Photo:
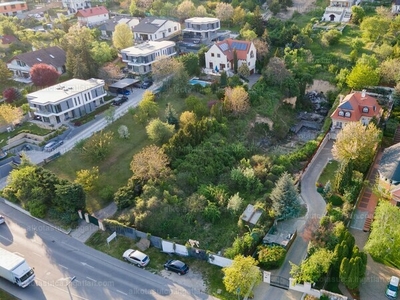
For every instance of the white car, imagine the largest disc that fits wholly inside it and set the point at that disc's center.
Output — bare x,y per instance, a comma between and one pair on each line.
393,287
2,220
136,257
52,145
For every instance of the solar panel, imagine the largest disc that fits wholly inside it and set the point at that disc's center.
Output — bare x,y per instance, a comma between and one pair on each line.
239,46
224,46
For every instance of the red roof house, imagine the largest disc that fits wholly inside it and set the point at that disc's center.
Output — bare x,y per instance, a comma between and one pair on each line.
92,16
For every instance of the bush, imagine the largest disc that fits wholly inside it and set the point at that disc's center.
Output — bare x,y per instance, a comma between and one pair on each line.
336,200
37,208
271,257
107,194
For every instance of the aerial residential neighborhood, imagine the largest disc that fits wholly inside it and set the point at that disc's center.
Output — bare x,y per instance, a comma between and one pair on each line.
196,149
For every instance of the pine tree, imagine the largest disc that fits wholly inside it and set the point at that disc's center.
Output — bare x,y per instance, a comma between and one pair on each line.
344,270
285,198
343,176
235,61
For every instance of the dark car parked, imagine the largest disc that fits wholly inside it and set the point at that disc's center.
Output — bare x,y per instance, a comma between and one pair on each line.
176,266
146,84
120,100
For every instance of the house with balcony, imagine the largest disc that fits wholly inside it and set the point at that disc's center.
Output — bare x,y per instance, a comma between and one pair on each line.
92,16
203,29
396,7
21,64
355,107
389,173
10,9
155,29
220,56
338,11
139,58
108,27
57,104
74,5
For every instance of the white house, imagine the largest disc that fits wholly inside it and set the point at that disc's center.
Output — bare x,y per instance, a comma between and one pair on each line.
220,56
71,99
396,7
74,5
202,28
154,29
92,16
338,11
139,58
21,64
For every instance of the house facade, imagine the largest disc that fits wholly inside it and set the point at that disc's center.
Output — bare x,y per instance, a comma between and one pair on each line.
220,57
396,7
74,5
355,107
71,99
108,27
21,64
202,28
139,58
155,29
10,9
338,11
389,173
92,16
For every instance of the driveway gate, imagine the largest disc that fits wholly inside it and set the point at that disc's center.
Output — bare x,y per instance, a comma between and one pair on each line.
93,220
279,282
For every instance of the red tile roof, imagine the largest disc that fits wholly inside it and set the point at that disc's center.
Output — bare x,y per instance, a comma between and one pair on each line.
93,11
8,39
358,107
227,46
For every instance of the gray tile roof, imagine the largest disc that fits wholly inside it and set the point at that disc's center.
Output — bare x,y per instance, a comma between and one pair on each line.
149,25
389,166
54,56
110,24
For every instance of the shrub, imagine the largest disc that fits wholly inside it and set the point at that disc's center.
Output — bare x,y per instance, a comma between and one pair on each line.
271,257
107,194
37,208
336,200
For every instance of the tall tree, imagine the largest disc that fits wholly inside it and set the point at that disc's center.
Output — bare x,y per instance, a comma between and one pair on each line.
44,75
186,9
362,75
164,67
236,100
150,163
122,37
147,109
235,61
357,143
103,53
238,16
10,115
159,132
241,275
5,73
285,198
11,94
384,240
77,43
191,63
224,11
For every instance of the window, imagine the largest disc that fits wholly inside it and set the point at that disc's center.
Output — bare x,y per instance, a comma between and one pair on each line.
12,6
5,7
365,109
175,28
251,54
22,4
169,29
212,54
218,55
341,113
347,114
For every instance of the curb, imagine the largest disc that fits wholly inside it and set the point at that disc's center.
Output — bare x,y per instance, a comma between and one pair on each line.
67,232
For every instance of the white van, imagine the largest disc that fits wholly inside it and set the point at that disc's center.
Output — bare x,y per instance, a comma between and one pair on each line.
392,288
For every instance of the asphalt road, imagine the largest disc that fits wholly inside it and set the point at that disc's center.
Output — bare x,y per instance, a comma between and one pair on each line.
57,258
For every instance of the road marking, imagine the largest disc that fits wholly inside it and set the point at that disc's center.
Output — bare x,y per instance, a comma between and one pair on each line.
37,254
62,289
6,238
64,267
19,254
122,293
86,265
91,279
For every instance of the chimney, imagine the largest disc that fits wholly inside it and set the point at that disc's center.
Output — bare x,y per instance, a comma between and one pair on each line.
363,92
341,98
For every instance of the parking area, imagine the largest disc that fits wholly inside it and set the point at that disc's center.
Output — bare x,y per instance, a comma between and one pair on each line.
194,280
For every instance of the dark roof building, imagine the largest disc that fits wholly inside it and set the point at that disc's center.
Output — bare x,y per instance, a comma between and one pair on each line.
389,165
54,56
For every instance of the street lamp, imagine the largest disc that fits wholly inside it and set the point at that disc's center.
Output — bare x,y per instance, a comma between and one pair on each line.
69,292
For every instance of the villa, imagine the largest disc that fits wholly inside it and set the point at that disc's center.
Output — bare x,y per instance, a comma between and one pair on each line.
338,11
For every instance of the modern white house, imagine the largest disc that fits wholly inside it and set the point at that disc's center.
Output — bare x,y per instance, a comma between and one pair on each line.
71,99
92,16
202,28
74,5
155,29
396,7
21,64
338,11
220,57
139,58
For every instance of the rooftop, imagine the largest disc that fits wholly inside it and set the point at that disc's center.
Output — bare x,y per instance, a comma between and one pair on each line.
54,56
202,20
148,47
389,165
12,3
93,11
149,25
55,93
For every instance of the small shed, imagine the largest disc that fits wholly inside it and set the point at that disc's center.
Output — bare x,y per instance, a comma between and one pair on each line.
251,214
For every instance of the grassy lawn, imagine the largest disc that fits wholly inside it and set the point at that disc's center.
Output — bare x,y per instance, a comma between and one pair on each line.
6,296
115,169
329,172
211,274
25,127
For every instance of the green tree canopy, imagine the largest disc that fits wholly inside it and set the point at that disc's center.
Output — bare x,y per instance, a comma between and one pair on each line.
122,37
